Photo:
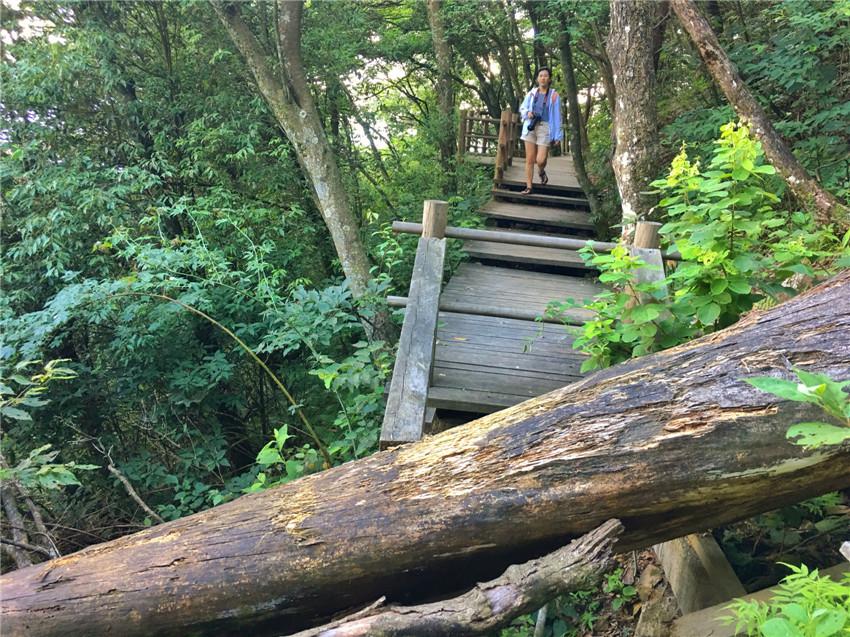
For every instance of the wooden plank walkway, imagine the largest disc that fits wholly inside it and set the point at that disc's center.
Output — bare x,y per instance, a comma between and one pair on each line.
488,358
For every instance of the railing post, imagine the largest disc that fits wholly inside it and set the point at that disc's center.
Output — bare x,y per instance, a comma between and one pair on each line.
646,246
510,154
502,147
407,399
435,216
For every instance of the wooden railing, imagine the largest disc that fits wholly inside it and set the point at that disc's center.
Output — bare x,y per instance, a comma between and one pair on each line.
404,417
480,135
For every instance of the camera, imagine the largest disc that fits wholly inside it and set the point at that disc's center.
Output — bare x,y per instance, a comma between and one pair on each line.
534,119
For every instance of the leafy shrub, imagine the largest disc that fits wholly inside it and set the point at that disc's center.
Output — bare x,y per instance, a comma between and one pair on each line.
736,247
807,604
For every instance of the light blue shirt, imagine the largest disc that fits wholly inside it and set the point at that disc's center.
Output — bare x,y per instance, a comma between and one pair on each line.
554,118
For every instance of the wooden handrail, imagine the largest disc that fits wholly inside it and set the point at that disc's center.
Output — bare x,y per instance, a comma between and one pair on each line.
404,417
573,317
520,238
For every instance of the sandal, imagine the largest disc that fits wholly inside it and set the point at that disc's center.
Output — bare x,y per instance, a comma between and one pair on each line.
527,191
544,178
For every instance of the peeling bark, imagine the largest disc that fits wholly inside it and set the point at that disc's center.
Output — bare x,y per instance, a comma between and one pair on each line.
490,605
670,443
825,206
17,547
630,48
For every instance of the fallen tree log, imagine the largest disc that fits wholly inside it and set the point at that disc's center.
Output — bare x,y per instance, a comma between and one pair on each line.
670,444
491,605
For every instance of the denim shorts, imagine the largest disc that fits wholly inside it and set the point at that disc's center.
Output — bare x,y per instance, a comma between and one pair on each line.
540,135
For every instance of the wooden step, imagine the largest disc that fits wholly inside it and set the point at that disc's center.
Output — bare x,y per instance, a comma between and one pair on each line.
550,200
538,215
560,170
486,286
554,257
483,364
546,189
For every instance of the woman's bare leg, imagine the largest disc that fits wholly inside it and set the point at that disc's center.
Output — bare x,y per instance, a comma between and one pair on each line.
542,158
530,155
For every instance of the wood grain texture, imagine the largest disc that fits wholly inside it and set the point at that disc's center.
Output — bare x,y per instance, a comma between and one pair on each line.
541,215
404,416
671,443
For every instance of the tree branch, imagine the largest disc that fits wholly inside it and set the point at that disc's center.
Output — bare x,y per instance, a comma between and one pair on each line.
26,546
491,605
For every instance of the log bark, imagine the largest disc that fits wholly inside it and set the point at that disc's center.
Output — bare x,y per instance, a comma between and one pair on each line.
490,605
671,443
630,48
825,206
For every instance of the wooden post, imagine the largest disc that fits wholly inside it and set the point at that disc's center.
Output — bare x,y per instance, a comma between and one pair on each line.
502,147
435,215
484,141
646,247
696,568
511,140
646,234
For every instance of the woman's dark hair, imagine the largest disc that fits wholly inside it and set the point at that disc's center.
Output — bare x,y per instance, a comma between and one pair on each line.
541,69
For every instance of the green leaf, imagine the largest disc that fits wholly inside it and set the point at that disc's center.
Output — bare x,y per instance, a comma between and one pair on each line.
740,286
779,627
269,455
786,389
830,623
718,286
14,413
812,435
795,613
645,313
708,314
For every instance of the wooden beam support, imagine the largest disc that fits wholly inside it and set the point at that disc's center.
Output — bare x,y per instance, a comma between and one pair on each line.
698,572
435,216
517,238
404,417
574,317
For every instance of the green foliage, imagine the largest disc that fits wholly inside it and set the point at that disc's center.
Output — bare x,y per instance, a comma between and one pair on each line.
807,532
578,612
280,465
36,471
620,592
619,328
807,604
817,389
736,246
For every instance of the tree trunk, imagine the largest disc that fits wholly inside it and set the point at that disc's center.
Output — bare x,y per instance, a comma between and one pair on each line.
575,119
635,162
670,443
533,9
825,206
291,102
489,605
445,87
